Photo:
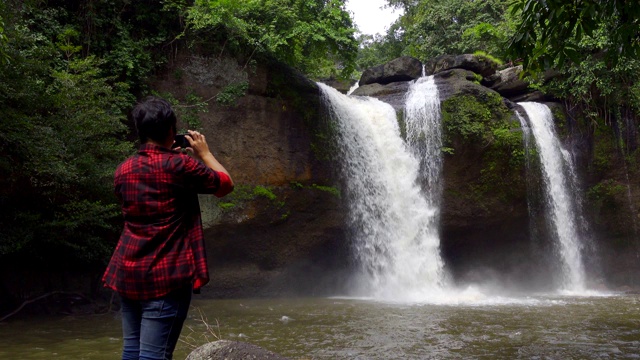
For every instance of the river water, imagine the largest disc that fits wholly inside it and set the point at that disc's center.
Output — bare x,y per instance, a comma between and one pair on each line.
411,310
477,327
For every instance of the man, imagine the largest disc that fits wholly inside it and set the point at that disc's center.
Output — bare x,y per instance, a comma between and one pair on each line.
160,257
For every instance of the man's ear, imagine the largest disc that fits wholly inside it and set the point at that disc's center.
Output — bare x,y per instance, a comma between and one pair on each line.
170,137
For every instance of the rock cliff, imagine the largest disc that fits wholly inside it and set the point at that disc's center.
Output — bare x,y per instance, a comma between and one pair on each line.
282,231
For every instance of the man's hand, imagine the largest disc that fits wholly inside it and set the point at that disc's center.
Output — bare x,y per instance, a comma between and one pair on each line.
200,149
198,144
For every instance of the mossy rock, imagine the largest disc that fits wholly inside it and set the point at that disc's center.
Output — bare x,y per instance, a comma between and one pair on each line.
474,118
485,161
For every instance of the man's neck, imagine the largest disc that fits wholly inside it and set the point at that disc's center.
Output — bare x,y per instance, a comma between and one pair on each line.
166,144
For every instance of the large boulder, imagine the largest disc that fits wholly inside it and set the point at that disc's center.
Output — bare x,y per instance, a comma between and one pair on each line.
478,64
509,83
393,93
457,82
536,96
404,68
232,350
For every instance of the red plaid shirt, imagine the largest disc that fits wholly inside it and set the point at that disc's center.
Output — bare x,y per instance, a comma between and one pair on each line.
162,245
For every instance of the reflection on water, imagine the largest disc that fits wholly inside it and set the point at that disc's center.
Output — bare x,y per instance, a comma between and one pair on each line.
536,327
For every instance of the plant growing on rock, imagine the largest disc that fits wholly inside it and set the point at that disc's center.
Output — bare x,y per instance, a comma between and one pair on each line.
308,35
481,126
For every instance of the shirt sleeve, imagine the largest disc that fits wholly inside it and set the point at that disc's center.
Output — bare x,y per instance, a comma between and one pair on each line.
200,177
225,185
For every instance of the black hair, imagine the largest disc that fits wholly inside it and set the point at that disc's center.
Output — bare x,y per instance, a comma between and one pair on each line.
154,119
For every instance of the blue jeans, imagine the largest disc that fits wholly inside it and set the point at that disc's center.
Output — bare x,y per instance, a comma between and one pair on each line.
151,328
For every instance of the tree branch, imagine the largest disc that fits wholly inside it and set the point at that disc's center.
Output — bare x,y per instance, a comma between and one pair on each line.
44,296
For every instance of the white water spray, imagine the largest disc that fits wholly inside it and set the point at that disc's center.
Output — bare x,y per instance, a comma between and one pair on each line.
559,179
394,222
424,138
353,88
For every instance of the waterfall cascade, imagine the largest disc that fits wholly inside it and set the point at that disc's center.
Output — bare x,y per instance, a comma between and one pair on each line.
393,217
393,188
560,182
353,88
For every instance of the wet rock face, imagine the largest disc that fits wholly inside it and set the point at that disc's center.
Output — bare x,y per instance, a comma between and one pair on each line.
484,197
232,350
291,239
509,83
403,68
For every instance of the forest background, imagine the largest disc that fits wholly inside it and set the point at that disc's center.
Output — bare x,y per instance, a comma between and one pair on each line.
70,72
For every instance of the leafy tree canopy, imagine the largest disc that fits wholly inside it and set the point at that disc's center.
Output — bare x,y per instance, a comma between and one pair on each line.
545,28
377,49
69,71
61,135
311,35
430,28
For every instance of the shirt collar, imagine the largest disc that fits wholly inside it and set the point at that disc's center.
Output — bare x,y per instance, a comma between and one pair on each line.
152,148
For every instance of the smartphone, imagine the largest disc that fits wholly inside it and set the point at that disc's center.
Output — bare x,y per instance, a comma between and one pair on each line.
181,141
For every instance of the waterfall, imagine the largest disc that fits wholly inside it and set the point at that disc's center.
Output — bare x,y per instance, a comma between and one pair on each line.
393,202
560,181
353,88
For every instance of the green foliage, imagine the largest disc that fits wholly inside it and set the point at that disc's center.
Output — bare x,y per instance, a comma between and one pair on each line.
477,78
3,41
134,37
466,117
229,95
487,37
260,190
548,31
448,150
60,140
511,143
604,152
474,117
379,49
490,58
605,190
65,42
311,35
188,110
222,72
226,205
296,185
603,195
482,125
430,28
129,57
243,194
599,92
330,189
